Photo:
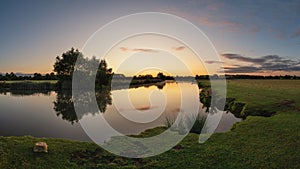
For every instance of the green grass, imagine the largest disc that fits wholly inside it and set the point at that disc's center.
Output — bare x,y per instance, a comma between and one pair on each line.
257,142
278,95
16,152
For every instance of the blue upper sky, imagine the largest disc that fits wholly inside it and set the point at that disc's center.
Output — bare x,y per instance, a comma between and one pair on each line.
261,37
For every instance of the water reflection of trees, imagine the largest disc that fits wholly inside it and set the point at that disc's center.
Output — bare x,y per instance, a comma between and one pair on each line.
27,88
125,83
64,104
231,105
17,93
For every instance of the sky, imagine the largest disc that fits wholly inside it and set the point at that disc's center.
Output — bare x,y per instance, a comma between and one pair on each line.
251,37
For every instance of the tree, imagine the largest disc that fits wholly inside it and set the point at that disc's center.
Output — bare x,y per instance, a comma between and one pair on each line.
64,65
160,75
10,76
104,75
86,68
37,76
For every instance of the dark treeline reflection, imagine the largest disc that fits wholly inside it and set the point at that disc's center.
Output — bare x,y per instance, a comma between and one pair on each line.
25,92
212,106
64,104
26,88
127,83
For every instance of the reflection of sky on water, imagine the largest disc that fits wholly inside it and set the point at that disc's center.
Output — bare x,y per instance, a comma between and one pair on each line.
146,107
34,115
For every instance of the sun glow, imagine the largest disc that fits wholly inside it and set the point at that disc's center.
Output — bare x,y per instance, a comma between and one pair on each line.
150,54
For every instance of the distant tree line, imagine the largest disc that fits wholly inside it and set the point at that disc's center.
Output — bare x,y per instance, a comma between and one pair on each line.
53,76
260,77
35,76
87,69
159,76
207,77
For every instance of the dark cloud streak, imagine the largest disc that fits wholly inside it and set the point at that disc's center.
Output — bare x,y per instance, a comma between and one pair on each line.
242,58
241,69
213,62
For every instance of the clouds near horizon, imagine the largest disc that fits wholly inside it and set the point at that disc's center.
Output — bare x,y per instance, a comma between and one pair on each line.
262,64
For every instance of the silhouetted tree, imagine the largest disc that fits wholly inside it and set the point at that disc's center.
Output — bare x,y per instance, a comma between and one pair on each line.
37,76
161,76
64,65
104,75
10,76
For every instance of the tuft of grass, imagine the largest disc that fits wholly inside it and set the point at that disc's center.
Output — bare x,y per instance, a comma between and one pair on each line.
197,122
198,125
169,121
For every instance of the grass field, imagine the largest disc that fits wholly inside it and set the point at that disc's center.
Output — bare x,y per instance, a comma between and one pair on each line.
257,142
28,85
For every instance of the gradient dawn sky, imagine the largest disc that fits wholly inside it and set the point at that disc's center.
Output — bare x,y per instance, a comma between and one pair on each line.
251,37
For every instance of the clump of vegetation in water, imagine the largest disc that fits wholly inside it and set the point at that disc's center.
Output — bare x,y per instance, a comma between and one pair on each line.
183,126
198,125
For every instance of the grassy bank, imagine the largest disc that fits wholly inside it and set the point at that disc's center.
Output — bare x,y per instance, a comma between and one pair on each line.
257,142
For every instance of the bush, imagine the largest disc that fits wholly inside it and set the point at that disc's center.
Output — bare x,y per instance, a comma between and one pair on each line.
185,123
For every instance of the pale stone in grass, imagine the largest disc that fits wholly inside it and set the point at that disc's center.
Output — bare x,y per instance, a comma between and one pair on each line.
40,147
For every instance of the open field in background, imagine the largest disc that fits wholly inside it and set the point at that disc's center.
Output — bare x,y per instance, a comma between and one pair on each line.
262,97
257,142
28,85
276,95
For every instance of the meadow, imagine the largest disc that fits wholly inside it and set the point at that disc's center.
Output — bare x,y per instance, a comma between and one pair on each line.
256,142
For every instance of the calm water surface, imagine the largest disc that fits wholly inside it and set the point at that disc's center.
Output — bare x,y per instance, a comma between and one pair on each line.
52,114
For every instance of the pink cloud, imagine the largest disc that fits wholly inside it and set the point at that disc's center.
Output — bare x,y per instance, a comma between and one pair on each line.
205,18
124,49
179,48
143,50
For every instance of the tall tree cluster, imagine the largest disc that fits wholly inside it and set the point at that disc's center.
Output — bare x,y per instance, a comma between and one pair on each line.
65,65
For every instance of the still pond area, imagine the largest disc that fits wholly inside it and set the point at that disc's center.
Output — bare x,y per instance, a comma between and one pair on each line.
51,114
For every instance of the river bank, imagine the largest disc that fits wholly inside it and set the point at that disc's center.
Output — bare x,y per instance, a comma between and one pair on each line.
256,142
